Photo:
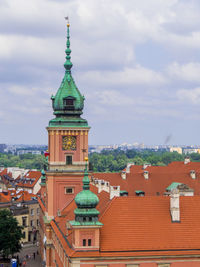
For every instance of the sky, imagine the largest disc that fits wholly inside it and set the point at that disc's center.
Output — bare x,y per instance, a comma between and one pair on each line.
136,62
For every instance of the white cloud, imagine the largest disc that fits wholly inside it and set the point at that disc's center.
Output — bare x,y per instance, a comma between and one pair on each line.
187,72
113,98
129,76
20,90
191,96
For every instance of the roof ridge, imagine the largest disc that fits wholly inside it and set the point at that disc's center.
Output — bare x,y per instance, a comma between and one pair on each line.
110,203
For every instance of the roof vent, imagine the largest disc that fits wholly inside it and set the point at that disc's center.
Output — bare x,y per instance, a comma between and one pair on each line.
187,160
146,175
193,174
175,206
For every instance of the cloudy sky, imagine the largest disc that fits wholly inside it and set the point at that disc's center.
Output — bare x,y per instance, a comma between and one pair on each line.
136,61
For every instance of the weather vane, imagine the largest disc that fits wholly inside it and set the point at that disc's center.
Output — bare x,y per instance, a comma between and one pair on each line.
67,19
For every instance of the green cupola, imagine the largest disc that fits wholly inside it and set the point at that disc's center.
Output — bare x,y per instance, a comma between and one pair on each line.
43,178
86,201
68,102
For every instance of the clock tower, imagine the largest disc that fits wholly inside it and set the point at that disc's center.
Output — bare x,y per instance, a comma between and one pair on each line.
67,142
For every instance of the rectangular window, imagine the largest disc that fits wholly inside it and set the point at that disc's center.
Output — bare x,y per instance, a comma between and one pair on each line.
84,242
37,222
89,242
32,212
24,221
32,223
70,102
38,211
24,234
68,160
69,190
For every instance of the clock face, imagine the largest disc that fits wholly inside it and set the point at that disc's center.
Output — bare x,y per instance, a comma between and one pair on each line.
69,143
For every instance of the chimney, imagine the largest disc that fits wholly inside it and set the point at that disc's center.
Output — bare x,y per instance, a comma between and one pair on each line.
187,160
123,175
146,175
145,165
114,191
174,205
193,174
128,167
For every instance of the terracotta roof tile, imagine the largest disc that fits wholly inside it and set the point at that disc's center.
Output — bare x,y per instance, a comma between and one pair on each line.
160,177
34,176
144,223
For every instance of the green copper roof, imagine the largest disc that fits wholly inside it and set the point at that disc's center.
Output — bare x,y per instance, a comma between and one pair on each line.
43,178
86,201
68,102
77,223
172,186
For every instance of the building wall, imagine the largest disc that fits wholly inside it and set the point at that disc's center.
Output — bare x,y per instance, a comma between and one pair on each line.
57,197
37,187
25,229
33,221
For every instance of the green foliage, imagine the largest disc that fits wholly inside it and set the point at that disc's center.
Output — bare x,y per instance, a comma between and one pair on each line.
116,160
10,234
27,161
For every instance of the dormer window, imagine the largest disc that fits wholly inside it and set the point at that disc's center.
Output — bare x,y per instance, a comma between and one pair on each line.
68,102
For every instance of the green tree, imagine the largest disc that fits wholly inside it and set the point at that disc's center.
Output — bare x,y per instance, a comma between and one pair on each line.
10,234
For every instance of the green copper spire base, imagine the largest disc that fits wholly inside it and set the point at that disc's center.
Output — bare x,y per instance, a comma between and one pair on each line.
77,223
69,121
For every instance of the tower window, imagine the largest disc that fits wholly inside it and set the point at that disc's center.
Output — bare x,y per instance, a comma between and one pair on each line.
68,103
89,242
68,160
69,190
84,242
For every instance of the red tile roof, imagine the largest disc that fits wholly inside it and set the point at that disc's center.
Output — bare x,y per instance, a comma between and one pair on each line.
160,177
30,179
144,223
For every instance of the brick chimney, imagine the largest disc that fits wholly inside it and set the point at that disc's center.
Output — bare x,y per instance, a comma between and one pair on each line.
123,175
146,175
187,160
175,206
193,174
114,191
128,167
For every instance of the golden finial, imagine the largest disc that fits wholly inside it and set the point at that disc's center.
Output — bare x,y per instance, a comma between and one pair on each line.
67,19
86,158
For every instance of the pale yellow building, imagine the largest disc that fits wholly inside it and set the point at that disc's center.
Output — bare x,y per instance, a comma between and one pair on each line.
176,149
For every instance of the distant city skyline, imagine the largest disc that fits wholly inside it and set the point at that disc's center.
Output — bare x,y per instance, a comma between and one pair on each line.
136,63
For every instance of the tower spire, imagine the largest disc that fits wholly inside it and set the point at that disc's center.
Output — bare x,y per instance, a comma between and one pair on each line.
68,64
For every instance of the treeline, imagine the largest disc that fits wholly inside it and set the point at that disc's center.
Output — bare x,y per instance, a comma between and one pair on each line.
26,161
106,161
116,160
